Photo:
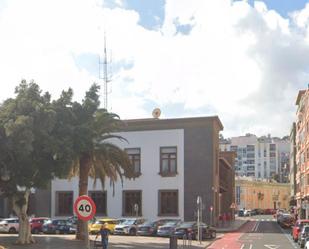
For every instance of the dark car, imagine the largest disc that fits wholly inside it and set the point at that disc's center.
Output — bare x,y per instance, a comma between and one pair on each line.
168,229
241,213
285,220
148,228
151,227
37,224
190,230
187,230
57,226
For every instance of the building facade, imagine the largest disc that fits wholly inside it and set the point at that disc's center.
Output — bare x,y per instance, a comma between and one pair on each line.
176,160
302,153
227,182
260,157
293,166
261,194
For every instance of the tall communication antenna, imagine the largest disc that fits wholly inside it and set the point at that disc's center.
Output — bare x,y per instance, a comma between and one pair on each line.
104,74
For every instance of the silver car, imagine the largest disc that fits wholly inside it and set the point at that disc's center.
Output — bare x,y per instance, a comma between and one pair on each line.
128,226
10,225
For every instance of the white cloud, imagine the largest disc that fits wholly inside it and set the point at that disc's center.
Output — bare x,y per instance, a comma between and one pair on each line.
245,63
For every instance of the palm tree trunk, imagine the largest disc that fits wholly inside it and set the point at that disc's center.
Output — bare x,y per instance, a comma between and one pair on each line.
84,168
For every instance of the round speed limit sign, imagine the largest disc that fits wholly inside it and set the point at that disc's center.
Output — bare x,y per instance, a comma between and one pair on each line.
84,208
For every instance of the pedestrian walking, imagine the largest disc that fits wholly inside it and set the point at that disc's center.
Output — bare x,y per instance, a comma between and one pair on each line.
104,232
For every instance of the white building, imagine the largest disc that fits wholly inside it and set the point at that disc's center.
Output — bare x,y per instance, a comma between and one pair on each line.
176,160
262,157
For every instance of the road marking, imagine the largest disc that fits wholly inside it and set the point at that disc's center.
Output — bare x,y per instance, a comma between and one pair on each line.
250,247
253,229
242,246
288,237
272,246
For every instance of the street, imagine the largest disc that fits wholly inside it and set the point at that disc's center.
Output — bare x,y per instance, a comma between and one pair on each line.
115,242
260,232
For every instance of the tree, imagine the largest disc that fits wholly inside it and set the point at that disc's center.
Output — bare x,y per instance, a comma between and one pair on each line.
92,132
30,137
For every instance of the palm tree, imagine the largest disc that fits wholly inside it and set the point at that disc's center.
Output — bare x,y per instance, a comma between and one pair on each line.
95,155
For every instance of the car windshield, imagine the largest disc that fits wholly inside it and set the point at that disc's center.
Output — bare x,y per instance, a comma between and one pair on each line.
47,221
3,222
148,223
187,224
172,223
128,222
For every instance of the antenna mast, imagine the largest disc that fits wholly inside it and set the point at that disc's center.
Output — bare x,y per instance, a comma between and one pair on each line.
103,69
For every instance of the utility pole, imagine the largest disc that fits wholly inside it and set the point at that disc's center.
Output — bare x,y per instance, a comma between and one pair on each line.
104,74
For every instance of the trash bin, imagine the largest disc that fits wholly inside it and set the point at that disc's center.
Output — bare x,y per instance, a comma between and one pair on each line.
173,242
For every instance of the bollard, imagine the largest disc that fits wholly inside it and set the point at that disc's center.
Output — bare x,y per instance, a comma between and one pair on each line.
173,242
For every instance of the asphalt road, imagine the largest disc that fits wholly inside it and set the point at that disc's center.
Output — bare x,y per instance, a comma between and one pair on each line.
116,242
261,232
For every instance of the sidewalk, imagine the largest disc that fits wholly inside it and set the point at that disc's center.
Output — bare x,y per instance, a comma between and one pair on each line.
231,226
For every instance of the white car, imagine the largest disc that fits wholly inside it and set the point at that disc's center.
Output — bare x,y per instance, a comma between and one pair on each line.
307,243
247,212
128,226
10,225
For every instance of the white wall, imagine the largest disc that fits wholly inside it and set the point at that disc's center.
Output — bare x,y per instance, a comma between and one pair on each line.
149,182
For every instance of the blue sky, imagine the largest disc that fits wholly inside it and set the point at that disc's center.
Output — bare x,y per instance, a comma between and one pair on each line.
284,6
238,60
152,12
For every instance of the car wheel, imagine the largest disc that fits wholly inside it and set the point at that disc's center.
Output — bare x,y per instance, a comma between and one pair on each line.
12,230
213,234
35,231
132,232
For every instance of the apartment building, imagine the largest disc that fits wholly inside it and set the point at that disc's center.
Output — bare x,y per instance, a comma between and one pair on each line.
302,153
293,166
263,157
176,160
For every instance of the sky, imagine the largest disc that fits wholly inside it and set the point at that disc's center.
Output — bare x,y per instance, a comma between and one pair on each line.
244,61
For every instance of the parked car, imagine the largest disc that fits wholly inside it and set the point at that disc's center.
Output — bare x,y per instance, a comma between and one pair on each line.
285,220
270,211
57,226
187,229
96,226
297,228
151,227
303,235
247,212
241,213
168,229
147,228
129,226
307,243
190,230
37,224
9,225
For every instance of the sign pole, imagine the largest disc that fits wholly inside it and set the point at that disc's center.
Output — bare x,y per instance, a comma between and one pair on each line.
87,241
85,209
